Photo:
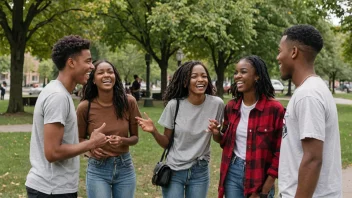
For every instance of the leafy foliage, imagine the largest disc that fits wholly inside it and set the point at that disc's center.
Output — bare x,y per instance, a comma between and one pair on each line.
4,63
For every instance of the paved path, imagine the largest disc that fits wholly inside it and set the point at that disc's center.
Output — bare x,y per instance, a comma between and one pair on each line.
347,182
16,128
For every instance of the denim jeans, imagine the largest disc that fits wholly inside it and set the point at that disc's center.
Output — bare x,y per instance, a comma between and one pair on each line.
31,193
234,182
190,183
113,177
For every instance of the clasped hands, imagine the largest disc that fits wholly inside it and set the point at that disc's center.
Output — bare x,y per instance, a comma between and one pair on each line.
214,127
99,139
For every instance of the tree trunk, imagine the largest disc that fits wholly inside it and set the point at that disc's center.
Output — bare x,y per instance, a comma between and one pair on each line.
289,91
163,65
330,84
333,82
220,72
17,60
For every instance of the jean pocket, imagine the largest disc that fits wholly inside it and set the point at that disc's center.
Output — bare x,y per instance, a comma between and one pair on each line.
203,163
128,162
95,162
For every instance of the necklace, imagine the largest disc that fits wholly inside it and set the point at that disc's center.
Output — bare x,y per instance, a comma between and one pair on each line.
103,104
311,75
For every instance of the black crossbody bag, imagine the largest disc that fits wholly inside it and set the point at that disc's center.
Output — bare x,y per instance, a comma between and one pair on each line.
162,172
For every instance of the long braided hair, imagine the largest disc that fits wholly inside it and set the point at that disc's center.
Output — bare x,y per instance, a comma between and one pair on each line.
178,87
263,84
90,90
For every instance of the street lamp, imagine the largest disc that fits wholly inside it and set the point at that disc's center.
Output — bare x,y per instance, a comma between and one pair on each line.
179,57
147,61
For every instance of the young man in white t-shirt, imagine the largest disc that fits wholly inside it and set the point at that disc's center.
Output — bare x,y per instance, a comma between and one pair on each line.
54,147
310,158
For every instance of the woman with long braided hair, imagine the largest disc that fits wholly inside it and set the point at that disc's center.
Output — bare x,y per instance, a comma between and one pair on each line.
251,133
189,154
110,171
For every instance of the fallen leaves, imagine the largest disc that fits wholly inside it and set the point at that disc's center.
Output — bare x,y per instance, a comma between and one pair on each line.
4,175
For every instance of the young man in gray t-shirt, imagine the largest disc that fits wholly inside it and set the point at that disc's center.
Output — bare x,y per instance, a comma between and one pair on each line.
310,157
54,146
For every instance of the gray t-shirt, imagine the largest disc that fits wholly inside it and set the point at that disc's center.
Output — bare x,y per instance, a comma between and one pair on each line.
191,141
54,105
311,113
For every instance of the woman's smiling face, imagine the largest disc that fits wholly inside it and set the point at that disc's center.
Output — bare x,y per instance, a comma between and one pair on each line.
104,76
198,82
245,76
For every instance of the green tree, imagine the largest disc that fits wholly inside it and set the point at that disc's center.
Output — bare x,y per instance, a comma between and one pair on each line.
218,29
128,61
34,25
346,26
131,24
4,63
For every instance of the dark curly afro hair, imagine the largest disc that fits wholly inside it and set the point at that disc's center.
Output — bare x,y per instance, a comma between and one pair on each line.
67,47
306,35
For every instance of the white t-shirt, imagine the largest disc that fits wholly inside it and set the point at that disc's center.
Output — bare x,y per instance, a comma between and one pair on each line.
54,105
311,113
241,131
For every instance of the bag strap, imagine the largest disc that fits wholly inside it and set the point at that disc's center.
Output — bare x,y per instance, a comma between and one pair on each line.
171,141
87,119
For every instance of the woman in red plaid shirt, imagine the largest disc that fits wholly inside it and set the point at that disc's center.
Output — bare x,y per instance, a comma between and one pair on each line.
251,134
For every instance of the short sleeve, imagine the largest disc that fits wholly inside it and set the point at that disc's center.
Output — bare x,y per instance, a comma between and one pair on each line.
167,117
56,108
220,113
310,113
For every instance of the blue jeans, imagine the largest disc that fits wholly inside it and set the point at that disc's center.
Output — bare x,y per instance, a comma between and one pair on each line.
113,177
234,182
190,183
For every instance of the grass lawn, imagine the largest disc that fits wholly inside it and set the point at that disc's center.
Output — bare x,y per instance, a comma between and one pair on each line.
14,149
343,95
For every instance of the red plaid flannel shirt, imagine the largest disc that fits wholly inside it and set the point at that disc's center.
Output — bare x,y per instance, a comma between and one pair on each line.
263,142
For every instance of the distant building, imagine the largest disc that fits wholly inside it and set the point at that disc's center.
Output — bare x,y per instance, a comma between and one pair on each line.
30,71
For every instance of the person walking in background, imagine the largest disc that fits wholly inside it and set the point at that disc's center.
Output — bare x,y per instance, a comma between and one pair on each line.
189,154
110,171
3,90
54,146
251,134
310,162
136,87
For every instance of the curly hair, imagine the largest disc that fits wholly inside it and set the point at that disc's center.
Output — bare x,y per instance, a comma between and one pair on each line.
67,47
120,101
178,87
263,84
306,35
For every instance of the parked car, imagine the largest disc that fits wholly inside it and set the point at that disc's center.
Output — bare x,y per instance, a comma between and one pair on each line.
35,89
345,87
278,86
